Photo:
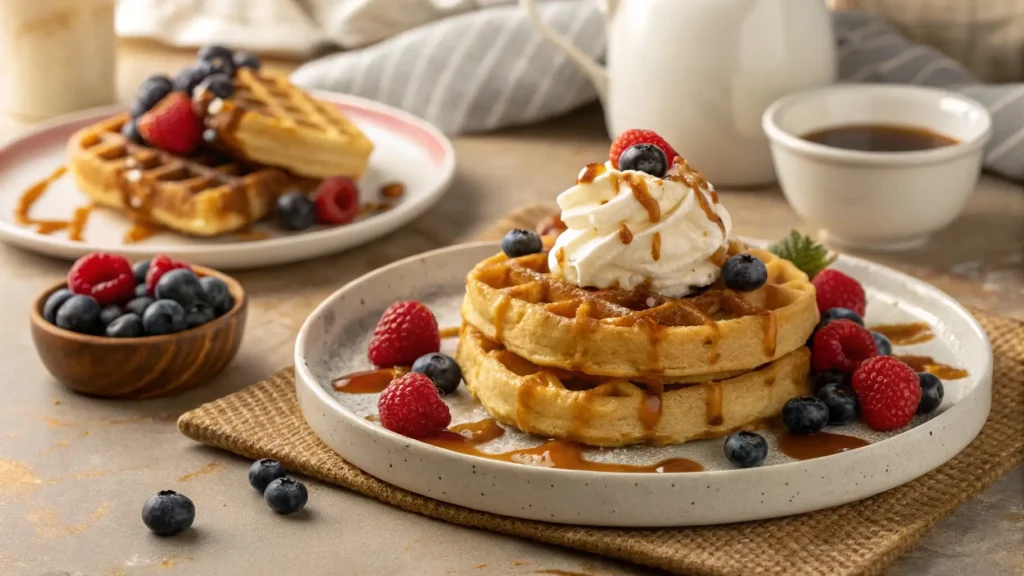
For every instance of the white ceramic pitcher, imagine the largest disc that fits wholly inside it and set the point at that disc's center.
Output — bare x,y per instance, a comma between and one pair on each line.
701,73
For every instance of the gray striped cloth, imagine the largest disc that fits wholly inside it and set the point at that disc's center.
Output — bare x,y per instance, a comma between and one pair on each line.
489,69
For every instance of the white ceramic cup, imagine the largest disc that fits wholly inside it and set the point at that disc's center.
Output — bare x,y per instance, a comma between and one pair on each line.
880,201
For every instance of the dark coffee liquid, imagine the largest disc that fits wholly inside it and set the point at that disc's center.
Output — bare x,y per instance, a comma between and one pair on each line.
880,138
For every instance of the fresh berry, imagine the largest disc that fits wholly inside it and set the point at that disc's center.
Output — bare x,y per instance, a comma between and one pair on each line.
889,392
337,201
827,377
106,277
406,331
110,313
247,60
442,369
804,415
411,406
187,80
841,403
139,270
160,265
806,254
263,472
199,314
210,136
79,314
837,290
519,242
631,138
841,345
932,393
295,211
151,91
212,51
130,130
218,84
141,290
839,314
217,294
286,495
744,273
882,343
138,305
217,65
126,326
163,317
746,449
172,125
646,158
54,302
182,286
167,513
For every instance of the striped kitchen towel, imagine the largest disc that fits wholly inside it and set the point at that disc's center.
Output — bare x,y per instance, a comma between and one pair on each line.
487,69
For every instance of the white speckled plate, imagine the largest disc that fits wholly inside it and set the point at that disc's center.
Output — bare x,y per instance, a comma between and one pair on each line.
333,342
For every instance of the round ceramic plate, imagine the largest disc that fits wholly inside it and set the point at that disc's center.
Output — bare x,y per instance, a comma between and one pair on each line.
406,150
333,343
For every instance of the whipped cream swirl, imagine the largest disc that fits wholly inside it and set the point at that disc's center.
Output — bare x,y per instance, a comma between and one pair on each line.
628,228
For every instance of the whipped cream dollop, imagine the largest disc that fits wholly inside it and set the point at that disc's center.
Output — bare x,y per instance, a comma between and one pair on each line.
626,229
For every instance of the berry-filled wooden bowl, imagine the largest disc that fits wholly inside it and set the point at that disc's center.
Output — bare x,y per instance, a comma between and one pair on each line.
144,344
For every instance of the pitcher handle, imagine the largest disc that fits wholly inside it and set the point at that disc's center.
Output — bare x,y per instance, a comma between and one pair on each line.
594,71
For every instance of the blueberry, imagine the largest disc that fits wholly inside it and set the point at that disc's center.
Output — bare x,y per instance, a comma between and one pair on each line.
214,51
126,326
746,449
286,495
218,65
130,131
210,136
181,285
646,158
932,393
199,314
141,290
519,242
187,80
443,370
110,313
219,84
841,402
823,379
139,270
151,91
263,472
163,317
295,211
167,513
744,272
244,59
138,305
53,304
79,314
839,314
217,294
883,344
805,415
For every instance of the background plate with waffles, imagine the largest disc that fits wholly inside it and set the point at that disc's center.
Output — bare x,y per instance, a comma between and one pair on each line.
406,150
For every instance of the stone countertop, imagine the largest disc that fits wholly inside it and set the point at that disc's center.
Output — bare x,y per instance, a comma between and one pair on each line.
74,471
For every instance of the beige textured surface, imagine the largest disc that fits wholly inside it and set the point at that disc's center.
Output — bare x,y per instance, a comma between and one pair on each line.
97,460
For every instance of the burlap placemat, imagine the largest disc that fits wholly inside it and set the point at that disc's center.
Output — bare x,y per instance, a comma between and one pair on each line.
859,538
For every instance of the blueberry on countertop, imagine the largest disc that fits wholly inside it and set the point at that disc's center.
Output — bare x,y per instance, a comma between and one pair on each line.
746,449
744,273
263,472
442,369
168,513
79,314
54,302
163,317
286,495
804,415
646,158
126,326
841,402
295,211
932,393
519,242
181,285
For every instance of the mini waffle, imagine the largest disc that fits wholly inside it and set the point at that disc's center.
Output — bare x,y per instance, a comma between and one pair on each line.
270,121
618,411
205,195
635,333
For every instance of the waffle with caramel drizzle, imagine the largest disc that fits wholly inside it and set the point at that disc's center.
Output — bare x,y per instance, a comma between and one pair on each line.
270,121
203,195
637,333
611,411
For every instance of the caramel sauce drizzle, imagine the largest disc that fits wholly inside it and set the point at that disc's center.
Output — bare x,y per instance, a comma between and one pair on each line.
625,235
78,222
656,246
817,445
771,333
719,257
560,256
449,332
929,364
590,172
650,412
139,232
369,381
32,194
392,190
498,314
639,189
905,334
714,403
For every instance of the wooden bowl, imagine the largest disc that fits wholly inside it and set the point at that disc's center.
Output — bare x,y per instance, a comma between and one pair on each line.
140,367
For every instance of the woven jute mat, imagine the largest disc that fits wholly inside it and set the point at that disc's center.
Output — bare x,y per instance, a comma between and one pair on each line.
264,421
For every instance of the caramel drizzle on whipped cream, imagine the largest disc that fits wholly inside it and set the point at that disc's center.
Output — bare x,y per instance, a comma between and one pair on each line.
590,172
656,246
625,235
638,187
682,172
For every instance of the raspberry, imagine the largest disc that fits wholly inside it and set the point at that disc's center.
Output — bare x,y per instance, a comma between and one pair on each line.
406,331
172,124
337,201
411,406
632,138
841,345
837,290
106,277
158,266
888,392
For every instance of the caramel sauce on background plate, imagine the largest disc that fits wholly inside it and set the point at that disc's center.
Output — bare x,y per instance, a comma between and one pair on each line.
880,138
929,364
369,381
905,334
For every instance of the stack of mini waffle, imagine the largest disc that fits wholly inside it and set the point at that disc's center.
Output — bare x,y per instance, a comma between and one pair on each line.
617,367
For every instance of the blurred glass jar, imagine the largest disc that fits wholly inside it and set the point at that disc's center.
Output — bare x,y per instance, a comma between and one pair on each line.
56,56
